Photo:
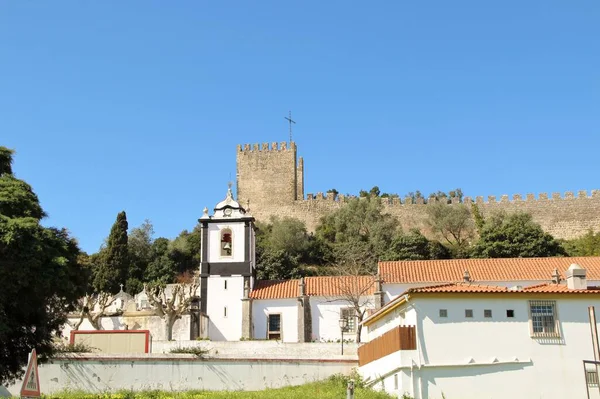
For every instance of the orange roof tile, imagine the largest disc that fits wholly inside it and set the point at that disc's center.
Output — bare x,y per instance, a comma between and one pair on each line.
470,288
500,269
475,289
275,289
315,286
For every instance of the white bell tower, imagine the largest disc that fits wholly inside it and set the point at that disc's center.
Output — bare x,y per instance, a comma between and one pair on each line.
227,264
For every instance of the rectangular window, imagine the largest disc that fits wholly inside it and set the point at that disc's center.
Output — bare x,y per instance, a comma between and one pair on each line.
443,312
487,313
396,381
225,311
225,285
468,312
510,313
543,318
274,326
350,315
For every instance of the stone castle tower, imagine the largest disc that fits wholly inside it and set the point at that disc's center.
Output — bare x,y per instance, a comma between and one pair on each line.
271,178
269,175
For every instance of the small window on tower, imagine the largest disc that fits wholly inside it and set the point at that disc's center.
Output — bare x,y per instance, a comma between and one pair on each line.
225,284
226,242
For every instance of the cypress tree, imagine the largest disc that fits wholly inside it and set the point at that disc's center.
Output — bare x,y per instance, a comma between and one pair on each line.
112,267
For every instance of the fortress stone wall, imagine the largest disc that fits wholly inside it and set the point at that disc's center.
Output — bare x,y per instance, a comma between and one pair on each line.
272,179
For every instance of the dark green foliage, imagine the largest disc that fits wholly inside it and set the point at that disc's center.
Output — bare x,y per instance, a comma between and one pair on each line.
112,267
515,236
586,245
17,199
415,246
161,269
283,246
358,232
185,251
6,161
40,275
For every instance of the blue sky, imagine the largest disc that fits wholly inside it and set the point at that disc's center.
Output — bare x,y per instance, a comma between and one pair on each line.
139,105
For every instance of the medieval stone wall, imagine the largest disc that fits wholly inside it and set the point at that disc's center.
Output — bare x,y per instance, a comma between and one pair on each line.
272,180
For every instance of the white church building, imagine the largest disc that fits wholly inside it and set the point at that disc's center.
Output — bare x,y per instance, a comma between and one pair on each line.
238,306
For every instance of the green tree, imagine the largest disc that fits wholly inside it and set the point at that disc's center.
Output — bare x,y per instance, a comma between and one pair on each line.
358,232
283,246
415,246
139,242
586,245
185,250
453,224
515,235
39,270
112,267
162,269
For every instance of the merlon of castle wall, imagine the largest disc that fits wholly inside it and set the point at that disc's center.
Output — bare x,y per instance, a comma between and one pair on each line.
265,147
491,199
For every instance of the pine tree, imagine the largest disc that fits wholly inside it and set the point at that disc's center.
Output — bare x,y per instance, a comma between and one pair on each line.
111,269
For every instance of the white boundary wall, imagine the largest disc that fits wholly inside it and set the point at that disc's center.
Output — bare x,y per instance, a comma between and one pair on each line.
97,373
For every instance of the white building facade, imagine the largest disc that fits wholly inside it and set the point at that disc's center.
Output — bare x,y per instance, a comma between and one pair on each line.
478,341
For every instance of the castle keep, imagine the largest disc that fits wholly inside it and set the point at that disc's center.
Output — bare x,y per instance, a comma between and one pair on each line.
271,177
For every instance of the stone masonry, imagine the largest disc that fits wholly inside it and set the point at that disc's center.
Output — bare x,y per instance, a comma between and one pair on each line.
272,179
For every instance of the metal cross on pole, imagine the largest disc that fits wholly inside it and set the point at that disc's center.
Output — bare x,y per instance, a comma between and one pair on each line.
290,120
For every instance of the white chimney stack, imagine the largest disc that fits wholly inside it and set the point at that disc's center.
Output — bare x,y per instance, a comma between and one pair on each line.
576,277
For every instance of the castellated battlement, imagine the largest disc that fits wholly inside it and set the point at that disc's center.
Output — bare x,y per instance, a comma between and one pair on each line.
264,147
491,199
271,177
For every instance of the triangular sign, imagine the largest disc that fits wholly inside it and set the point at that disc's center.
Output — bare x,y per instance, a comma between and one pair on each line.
31,382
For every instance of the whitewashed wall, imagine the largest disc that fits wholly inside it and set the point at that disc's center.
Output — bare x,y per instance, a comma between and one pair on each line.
225,327
495,358
237,237
288,308
183,372
325,314
141,321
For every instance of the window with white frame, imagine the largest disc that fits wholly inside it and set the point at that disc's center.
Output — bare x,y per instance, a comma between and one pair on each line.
350,315
543,319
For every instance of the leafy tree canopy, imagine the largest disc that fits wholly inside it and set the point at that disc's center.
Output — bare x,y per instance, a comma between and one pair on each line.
453,224
586,245
358,230
39,270
415,246
283,246
515,235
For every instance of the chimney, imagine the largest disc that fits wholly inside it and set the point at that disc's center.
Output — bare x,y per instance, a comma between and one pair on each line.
467,276
576,277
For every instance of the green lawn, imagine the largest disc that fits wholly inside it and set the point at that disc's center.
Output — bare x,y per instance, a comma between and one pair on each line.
333,388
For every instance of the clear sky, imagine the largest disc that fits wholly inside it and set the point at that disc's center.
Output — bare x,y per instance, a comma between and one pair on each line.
139,105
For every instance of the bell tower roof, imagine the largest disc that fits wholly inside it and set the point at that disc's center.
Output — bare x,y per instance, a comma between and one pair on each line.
228,202
229,208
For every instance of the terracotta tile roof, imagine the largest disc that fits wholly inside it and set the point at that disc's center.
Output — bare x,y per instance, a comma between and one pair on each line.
470,288
275,289
504,269
475,290
315,286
